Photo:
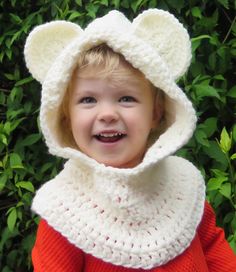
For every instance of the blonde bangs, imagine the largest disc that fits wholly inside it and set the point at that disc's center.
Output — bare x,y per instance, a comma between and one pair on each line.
102,62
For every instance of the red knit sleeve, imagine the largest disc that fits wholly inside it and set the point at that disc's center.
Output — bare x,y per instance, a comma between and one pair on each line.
219,256
53,252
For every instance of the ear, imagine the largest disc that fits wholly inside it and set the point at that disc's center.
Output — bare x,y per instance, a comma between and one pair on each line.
45,43
158,110
166,35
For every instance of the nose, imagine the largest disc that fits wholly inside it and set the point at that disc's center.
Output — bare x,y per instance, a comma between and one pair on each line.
108,113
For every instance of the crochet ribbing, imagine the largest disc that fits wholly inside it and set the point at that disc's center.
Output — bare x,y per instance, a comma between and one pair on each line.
140,221
208,252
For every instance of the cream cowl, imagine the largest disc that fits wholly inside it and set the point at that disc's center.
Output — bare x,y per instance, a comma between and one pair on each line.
141,217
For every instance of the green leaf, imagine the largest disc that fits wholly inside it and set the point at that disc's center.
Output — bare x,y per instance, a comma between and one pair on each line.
176,4
205,91
78,2
233,51
225,190
196,41
212,60
19,204
6,235
31,139
135,5
15,18
215,183
6,269
116,3
233,157
2,98
228,218
196,12
195,45
219,173
232,243
201,137
92,10
232,92
15,123
218,200
74,14
3,139
9,76
11,219
214,152
16,94
104,2
201,37
7,128
224,3
25,185
125,3
23,81
27,198
219,77
233,222
225,141
45,167
210,126
15,37
12,258
9,53
234,133
28,242
3,181
15,161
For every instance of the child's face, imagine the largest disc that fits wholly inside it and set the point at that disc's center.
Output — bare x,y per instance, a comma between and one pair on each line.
111,123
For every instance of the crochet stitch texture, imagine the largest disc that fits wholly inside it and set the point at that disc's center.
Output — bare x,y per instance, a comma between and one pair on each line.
141,217
204,254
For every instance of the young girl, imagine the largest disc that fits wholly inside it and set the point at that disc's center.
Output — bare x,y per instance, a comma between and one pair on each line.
111,106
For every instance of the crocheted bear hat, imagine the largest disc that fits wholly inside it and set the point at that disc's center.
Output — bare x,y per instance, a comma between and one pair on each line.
155,43
139,217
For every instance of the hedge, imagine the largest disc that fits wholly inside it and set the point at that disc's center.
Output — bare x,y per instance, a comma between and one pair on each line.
210,83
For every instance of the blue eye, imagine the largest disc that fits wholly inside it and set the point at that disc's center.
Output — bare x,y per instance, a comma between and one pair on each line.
87,100
127,99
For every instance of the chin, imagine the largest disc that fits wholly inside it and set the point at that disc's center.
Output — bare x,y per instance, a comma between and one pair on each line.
121,164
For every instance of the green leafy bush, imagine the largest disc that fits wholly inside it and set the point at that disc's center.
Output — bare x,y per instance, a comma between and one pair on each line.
24,161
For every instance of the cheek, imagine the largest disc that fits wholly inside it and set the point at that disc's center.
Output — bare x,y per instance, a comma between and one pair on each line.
79,122
147,115
141,121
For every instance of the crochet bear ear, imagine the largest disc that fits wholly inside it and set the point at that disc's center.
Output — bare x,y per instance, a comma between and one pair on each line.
167,35
45,43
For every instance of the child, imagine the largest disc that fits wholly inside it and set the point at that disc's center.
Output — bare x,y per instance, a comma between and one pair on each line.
111,106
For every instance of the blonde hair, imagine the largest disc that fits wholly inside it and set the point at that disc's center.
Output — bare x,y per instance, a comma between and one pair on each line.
100,62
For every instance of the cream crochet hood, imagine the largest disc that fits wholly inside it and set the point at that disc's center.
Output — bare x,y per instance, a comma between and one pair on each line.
141,217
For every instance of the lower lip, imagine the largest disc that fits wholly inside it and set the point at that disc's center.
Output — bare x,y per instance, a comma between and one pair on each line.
110,144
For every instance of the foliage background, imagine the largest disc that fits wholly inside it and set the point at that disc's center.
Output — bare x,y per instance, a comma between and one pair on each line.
24,161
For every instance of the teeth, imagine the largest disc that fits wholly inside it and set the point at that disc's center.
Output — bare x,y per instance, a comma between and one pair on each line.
110,134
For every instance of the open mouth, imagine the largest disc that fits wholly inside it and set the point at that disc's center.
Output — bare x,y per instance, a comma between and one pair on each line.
109,137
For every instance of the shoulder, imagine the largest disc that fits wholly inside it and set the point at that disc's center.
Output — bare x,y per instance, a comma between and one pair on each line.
215,247
209,233
53,252
48,237
207,227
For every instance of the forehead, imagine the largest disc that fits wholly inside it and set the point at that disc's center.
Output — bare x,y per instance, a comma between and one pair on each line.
122,74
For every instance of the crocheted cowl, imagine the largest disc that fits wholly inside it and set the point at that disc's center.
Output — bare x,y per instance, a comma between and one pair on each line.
139,217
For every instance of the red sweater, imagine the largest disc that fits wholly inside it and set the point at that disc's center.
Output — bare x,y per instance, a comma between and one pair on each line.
209,251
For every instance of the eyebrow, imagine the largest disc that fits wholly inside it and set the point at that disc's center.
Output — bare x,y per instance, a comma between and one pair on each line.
87,92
